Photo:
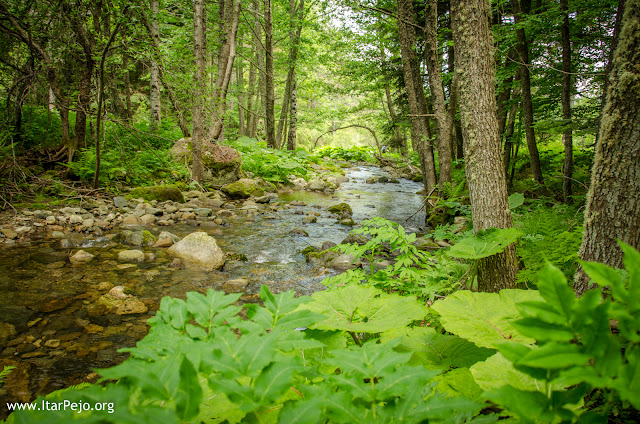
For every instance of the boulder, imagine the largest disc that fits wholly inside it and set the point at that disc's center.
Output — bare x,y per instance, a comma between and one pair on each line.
235,286
161,193
221,163
120,202
341,209
134,255
243,189
81,257
199,251
120,303
344,262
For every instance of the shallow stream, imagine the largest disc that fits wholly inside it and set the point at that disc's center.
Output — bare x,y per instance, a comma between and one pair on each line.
61,335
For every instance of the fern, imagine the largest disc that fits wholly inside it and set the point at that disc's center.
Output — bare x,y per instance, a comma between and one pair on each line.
4,373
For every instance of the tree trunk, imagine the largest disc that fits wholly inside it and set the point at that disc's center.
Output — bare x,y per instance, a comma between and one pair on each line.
241,112
567,135
508,136
225,67
269,89
527,102
475,69
414,88
155,110
437,91
613,200
295,16
200,92
293,116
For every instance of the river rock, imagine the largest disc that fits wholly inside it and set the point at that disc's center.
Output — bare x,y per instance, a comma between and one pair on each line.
81,257
147,219
9,233
235,286
135,256
242,189
50,220
309,220
120,202
131,221
7,331
161,193
318,185
120,303
344,262
341,209
199,251
299,232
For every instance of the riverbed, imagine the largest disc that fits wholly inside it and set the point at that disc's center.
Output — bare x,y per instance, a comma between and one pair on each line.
60,336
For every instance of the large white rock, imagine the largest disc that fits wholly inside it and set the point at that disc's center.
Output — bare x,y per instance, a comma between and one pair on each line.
199,251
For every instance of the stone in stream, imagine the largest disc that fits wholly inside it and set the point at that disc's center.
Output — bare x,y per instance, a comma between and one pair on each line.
199,251
81,257
120,303
9,233
341,209
299,232
235,286
120,202
135,256
309,220
344,262
242,189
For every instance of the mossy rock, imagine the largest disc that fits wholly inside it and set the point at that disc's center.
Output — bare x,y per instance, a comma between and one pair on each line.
242,189
417,178
160,193
342,209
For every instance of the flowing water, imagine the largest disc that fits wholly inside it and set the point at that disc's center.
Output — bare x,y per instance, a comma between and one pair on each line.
60,336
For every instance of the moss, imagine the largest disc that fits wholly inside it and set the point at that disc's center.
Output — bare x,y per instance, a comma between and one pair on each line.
160,193
242,189
308,249
341,209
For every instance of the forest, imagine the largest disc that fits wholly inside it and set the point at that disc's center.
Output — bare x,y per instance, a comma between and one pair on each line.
320,211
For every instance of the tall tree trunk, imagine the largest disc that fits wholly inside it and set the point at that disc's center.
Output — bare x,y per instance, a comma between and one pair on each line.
225,67
613,200
293,116
456,125
252,116
155,111
508,136
127,88
295,16
437,91
475,68
200,92
525,82
269,89
242,126
616,36
567,135
414,88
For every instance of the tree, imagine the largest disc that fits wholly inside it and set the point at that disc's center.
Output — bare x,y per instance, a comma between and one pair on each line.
613,200
525,83
269,94
415,93
475,71
437,91
154,71
567,135
200,85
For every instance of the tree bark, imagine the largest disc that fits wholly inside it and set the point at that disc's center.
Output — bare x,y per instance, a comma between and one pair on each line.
155,110
269,89
508,136
613,200
293,116
413,87
527,102
567,135
241,112
475,69
200,92
296,14
225,67
437,92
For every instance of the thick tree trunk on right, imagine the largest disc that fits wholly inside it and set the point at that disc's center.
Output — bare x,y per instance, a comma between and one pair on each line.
527,102
613,200
475,69
437,92
200,92
269,89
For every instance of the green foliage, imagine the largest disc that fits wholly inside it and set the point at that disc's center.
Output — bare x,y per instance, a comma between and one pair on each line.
352,154
534,355
414,272
4,373
451,202
485,243
550,234
271,164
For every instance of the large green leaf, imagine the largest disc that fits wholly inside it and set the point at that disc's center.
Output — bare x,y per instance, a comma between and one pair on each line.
364,309
441,351
485,243
497,371
485,319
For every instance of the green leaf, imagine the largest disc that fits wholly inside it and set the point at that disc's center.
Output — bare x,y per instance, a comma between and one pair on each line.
212,309
275,380
485,243
515,200
556,292
189,394
497,371
458,382
432,348
364,309
554,356
485,319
